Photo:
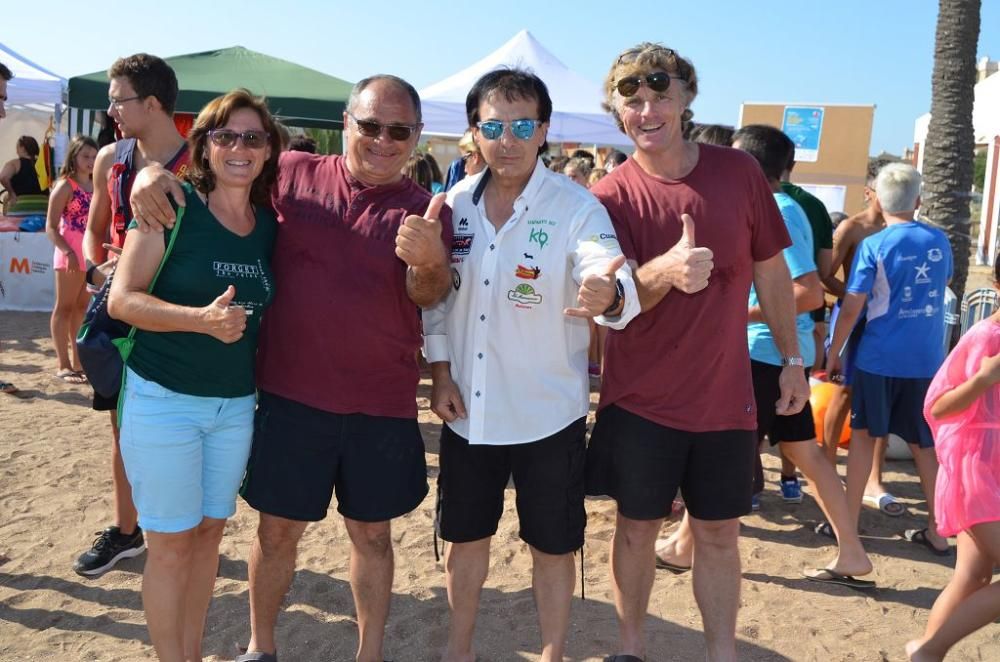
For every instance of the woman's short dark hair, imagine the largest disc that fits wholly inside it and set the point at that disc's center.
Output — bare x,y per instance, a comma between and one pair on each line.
30,146
215,114
512,85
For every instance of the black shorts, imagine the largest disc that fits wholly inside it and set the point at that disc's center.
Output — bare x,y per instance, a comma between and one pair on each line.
767,391
642,464
301,455
101,403
548,479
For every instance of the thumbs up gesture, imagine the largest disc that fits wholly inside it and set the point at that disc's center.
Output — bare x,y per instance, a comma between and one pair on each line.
222,320
418,241
688,267
597,291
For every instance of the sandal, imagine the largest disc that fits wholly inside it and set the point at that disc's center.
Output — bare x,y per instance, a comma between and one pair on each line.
72,376
886,503
7,387
919,536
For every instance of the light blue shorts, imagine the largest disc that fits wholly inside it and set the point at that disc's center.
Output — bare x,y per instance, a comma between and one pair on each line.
184,455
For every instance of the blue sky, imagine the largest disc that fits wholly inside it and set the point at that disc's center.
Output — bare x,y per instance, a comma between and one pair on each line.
845,51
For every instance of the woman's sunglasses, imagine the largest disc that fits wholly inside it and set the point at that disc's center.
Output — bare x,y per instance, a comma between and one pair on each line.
372,129
250,139
628,86
521,129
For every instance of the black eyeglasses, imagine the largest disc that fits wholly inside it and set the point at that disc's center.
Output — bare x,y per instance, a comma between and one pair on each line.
373,129
629,85
250,139
118,103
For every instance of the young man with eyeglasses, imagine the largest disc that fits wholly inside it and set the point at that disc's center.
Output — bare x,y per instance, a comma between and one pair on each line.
699,224
534,257
141,95
359,248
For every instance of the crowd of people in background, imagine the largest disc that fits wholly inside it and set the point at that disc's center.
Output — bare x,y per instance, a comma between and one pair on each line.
689,279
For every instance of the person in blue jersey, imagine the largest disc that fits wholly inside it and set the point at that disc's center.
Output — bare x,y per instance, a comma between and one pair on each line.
901,272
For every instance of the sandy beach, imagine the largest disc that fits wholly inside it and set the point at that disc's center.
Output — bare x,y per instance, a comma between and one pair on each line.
55,485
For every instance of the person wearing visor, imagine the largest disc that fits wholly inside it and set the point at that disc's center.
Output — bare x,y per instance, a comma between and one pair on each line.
698,224
533,259
359,248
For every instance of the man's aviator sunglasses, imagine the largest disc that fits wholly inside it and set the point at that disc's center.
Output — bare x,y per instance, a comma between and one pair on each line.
521,129
629,85
250,139
372,129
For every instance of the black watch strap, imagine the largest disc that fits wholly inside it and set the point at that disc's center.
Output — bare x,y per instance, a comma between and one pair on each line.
619,295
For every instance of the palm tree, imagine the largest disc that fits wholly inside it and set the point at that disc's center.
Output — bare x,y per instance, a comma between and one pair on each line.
948,156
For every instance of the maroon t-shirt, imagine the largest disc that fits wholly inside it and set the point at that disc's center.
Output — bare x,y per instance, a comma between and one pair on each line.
342,334
685,364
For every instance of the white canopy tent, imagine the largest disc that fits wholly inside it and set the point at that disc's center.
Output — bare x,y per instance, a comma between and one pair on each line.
577,116
34,97
33,87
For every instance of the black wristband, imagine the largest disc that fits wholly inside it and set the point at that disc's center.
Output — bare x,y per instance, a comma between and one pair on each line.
90,275
619,295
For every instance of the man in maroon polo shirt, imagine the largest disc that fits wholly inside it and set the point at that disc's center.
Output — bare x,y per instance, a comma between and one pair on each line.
359,249
699,224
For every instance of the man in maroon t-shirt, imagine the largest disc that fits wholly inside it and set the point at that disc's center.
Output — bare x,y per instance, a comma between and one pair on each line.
355,256
699,224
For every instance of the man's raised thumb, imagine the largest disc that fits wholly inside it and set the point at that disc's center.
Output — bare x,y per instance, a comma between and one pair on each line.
435,205
226,297
687,230
615,265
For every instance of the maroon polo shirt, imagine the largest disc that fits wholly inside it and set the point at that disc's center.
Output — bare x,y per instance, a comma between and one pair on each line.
685,363
342,334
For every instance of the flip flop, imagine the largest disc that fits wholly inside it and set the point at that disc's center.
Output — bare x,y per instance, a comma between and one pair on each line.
886,503
671,567
827,576
7,387
71,376
824,529
919,536
256,656
622,658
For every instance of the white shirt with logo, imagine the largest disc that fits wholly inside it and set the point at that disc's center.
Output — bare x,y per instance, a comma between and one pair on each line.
519,362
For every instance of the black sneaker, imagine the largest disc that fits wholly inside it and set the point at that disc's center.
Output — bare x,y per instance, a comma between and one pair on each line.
109,548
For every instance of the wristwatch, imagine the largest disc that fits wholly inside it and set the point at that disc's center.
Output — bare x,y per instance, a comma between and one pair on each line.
619,295
792,360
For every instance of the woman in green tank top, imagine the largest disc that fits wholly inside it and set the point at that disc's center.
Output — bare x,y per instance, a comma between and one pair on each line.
189,394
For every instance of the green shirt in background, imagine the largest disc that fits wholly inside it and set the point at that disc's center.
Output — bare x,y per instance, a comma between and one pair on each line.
206,259
819,218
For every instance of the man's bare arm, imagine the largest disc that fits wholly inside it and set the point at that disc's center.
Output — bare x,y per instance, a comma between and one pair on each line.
845,240
99,217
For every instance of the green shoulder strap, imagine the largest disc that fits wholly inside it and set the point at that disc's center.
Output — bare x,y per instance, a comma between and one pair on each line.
126,344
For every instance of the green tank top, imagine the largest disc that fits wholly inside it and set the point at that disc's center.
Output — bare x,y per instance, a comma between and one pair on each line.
206,259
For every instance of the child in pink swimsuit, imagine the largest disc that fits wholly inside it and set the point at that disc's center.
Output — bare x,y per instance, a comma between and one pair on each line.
69,205
963,410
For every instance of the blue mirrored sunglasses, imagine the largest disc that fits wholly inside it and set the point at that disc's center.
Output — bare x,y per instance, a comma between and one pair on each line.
521,129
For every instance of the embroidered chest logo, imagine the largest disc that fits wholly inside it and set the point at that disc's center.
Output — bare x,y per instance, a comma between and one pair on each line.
524,296
538,236
461,244
528,273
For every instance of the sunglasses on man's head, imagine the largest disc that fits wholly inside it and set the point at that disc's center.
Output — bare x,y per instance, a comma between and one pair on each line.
521,129
226,138
372,129
629,85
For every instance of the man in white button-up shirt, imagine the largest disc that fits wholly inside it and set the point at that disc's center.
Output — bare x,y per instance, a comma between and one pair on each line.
533,257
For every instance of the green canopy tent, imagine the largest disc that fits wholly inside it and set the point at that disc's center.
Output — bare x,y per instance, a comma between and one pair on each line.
299,96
